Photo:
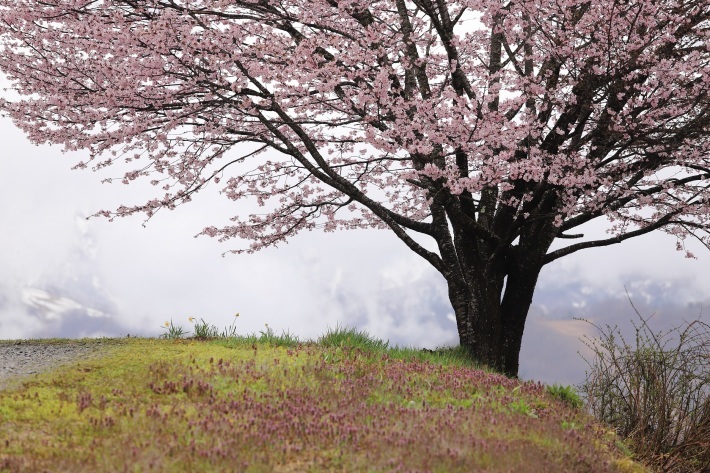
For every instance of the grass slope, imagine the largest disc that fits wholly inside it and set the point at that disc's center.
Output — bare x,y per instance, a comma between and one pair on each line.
263,404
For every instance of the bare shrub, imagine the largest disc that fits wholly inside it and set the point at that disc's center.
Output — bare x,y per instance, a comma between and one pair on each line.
654,393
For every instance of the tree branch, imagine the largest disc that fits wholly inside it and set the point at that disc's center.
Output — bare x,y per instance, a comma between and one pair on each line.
665,220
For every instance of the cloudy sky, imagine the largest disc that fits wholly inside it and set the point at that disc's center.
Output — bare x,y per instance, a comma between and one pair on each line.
64,276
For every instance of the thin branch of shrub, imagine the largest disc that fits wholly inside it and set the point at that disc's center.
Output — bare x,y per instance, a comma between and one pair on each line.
655,392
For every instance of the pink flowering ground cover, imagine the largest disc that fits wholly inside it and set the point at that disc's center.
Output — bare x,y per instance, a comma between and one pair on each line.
222,405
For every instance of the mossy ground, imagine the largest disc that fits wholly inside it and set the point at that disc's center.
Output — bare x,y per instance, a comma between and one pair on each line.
249,405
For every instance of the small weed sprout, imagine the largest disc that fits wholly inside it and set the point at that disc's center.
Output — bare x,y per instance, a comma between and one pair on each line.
231,331
204,330
172,330
566,394
286,339
351,337
571,426
267,336
522,407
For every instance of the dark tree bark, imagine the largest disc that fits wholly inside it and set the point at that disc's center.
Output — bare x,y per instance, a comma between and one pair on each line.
491,306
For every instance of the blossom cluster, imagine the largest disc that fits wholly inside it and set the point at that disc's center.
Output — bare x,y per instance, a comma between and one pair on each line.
356,114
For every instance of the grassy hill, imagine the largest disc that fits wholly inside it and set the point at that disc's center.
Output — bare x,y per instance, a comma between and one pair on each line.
262,404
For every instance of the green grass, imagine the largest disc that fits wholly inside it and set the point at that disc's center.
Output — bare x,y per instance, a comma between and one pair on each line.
566,394
268,402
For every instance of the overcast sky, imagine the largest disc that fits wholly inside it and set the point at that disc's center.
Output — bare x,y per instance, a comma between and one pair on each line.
61,275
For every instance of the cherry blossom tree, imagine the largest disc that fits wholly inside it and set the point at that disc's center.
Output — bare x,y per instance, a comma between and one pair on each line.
480,132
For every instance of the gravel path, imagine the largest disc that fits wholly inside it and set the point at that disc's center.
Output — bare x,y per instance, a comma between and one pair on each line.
20,358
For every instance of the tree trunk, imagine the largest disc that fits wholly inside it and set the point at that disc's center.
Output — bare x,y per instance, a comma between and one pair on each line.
491,312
